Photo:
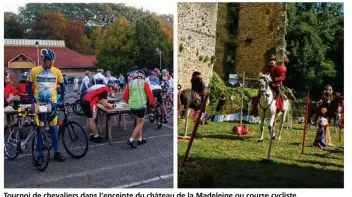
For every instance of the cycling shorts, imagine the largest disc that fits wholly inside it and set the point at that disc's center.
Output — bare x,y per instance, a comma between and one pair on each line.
89,110
157,95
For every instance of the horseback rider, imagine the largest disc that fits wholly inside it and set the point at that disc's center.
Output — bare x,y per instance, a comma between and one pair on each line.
198,85
278,74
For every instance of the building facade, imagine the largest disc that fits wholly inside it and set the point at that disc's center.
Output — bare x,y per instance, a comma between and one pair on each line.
21,55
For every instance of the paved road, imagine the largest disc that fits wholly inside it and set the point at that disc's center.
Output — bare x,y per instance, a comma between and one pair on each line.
104,166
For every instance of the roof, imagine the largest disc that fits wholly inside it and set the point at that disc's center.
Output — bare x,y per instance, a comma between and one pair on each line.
31,42
65,57
92,57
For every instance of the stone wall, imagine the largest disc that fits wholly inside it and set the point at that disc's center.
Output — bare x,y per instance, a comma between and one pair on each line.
255,40
196,41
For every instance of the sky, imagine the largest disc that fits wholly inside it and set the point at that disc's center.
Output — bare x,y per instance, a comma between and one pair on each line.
159,6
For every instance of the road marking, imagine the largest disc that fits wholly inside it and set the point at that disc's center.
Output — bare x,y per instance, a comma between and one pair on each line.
134,184
102,144
89,172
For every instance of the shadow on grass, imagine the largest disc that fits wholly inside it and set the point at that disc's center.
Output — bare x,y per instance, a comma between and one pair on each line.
226,137
234,173
321,163
327,155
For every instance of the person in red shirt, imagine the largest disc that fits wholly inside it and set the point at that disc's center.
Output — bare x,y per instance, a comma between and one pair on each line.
10,91
21,88
90,100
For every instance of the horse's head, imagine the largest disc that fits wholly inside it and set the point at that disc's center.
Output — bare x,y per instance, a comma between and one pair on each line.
264,82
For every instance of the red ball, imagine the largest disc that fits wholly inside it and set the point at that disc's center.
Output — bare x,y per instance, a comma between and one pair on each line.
240,130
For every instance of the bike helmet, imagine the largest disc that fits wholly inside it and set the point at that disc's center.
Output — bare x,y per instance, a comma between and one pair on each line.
25,74
100,70
157,71
113,85
47,54
164,72
139,74
87,73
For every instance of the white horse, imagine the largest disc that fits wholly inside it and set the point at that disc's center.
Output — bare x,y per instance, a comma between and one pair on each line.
267,107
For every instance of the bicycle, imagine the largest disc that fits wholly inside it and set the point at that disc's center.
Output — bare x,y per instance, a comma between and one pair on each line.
66,129
156,114
168,103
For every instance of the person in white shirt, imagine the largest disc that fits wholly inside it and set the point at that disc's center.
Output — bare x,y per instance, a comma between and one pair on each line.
75,85
153,81
99,78
168,82
85,83
109,77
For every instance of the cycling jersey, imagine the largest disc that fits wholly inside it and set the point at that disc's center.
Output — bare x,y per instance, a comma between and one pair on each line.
9,90
167,82
153,82
45,83
111,78
99,79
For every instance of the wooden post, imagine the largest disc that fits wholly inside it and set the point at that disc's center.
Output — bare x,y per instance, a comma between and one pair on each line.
195,128
305,123
242,98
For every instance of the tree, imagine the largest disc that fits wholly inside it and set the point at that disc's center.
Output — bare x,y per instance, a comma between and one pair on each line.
51,26
309,40
119,51
75,38
168,29
149,36
97,37
12,26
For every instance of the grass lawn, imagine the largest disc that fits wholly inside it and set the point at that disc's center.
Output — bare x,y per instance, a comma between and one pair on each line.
220,159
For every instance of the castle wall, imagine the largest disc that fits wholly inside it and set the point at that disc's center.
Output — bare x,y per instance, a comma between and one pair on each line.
196,41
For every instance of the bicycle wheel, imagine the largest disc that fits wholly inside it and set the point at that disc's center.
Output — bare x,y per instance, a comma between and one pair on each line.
70,99
46,146
169,109
74,139
158,117
77,108
12,140
151,116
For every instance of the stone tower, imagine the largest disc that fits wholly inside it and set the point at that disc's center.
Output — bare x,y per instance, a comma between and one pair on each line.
196,32
229,38
247,34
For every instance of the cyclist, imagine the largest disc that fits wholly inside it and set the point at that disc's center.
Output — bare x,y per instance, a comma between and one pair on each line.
99,78
97,94
153,81
45,79
136,94
168,82
22,92
122,82
85,83
21,88
10,91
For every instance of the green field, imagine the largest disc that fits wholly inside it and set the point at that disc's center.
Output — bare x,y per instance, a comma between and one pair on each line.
220,159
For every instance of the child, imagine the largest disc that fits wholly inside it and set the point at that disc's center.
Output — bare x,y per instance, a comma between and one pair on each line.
322,122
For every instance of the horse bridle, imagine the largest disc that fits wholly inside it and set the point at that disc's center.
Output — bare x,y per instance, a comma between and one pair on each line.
266,87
